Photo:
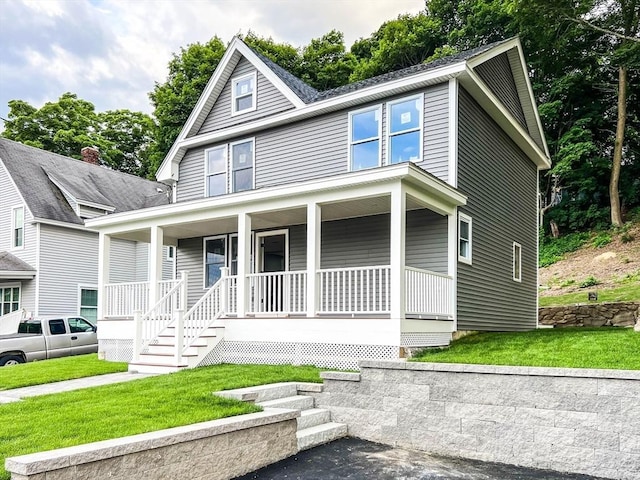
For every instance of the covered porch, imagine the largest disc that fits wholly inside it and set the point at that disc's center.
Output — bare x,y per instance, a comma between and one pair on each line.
262,265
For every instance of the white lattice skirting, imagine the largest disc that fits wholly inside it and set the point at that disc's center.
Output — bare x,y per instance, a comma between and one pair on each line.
117,350
441,339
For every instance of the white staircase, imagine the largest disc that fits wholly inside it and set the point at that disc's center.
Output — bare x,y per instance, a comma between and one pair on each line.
314,424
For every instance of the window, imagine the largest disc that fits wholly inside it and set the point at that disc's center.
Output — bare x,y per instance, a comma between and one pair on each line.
242,166
216,171
404,142
17,237
89,304
79,325
57,327
364,138
215,254
9,299
517,262
243,92
464,238
171,253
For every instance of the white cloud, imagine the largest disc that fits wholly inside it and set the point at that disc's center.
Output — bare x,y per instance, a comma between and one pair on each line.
110,52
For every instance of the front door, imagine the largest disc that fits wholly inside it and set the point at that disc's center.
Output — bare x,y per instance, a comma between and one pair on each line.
273,256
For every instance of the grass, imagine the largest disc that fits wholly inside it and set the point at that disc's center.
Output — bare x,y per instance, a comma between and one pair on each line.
615,348
56,370
626,292
82,416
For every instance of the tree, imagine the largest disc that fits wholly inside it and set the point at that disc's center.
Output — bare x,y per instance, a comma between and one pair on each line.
325,63
70,124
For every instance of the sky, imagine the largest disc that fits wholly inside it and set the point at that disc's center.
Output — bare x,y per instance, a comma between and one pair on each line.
111,52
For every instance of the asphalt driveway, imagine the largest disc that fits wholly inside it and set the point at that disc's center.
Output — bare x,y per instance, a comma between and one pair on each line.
355,459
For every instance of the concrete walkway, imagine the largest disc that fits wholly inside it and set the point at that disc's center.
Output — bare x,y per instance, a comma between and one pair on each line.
17,394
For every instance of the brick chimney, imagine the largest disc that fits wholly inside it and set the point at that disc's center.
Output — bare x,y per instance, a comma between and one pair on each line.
90,155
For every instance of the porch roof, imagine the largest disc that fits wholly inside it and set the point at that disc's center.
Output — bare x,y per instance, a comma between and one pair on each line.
12,268
346,195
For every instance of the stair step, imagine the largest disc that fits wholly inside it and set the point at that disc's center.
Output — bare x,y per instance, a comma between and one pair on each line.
149,367
262,393
167,360
169,350
313,417
320,434
298,402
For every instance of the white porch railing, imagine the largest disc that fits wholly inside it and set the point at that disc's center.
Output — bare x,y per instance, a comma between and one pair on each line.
122,299
428,293
278,292
355,290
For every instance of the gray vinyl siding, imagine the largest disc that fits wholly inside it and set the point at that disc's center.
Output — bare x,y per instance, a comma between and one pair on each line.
269,102
122,267
298,247
189,259
68,258
500,182
497,74
318,147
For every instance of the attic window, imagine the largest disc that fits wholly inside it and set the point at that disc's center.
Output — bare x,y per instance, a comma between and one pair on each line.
243,92
17,220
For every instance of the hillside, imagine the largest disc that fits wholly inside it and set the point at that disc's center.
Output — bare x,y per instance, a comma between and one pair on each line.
615,265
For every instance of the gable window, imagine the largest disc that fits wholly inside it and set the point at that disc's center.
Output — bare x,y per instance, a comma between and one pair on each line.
216,171
464,238
215,256
404,142
242,156
243,92
364,138
517,262
89,303
17,227
9,299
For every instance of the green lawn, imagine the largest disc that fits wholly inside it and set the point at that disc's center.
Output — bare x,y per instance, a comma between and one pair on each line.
601,347
624,293
82,416
56,370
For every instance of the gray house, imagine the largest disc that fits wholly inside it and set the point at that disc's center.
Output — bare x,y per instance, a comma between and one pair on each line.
48,258
324,227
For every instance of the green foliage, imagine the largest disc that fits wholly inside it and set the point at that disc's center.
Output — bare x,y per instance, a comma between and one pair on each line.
601,239
124,138
627,291
579,347
590,281
325,63
90,415
554,249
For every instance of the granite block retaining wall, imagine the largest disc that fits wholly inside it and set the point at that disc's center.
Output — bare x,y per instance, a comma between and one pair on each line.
571,420
220,449
616,314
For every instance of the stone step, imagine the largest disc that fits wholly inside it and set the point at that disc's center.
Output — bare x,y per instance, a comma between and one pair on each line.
313,417
262,393
297,402
320,434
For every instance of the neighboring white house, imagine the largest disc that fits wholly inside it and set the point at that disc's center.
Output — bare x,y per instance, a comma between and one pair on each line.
325,227
48,258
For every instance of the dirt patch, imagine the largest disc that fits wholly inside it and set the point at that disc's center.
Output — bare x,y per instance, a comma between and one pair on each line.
608,265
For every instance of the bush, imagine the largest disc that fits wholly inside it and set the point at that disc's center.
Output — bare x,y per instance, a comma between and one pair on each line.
554,249
590,282
601,239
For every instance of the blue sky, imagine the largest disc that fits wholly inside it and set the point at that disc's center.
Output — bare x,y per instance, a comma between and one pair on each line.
110,52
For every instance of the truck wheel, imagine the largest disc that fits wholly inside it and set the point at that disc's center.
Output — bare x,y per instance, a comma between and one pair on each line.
10,360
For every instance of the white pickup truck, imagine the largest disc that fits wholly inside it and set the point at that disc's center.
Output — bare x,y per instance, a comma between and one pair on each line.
39,339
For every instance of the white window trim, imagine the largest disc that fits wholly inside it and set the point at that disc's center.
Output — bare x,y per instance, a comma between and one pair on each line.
518,247
379,137
467,219
419,128
13,285
204,256
86,287
230,170
224,147
13,227
254,94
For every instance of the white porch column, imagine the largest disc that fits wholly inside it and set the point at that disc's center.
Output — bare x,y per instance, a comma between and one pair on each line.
314,225
244,262
452,269
155,264
104,260
398,227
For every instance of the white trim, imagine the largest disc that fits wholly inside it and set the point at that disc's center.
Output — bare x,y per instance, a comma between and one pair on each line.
453,132
469,221
452,264
259,258
57,223
518,247
36,299
537,206
419,128
14,209
230,170
225,149
254,94
204,256
17,285
16,188
82,286
377,108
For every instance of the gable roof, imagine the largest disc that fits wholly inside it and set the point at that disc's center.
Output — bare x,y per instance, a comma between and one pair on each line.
48,182
309,102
